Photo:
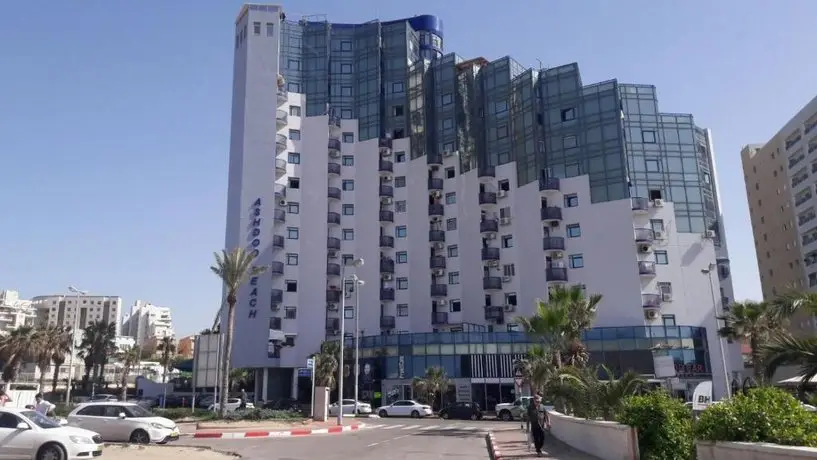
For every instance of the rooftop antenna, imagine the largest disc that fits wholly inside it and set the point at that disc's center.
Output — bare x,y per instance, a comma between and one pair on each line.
541,67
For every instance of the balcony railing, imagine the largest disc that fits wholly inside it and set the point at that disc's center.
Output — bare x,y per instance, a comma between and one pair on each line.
435,183
386,216
651,300
386,266
490,253
333,295
644,235
333,269
436,209
436,262
386,191
646,267
488,225
279,215
276,268
333,243
332,324
487,171
333,168
549,184
385,143
436,236
434,159
333,144
487,198
494,313
640,204
439,317
553,243
276,296
387,294
439,290
333,218
385,166
556,274
491,283
551,213
333,192
278,241
386,241
387,322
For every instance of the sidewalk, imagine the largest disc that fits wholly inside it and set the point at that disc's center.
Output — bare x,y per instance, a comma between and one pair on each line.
271,430
511,444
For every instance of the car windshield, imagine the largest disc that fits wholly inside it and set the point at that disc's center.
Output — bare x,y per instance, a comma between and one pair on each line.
40,420
139,412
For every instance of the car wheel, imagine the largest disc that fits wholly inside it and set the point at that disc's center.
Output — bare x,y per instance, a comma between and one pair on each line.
445,415
383,414
474,417
506,416
415,414
51,451
140,437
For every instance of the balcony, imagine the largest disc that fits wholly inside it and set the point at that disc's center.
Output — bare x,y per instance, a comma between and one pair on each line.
386,216
556,274
549,185
491,283
439,317
651,301
333,295
277,242
276,296
333,269
434,160
439,290
385,145
332,325
276,268
646,268
386,242
385,168
334,146
283,97
493,313
553,243
386,265
281,118
280,167
551,214
387,322
386,191
387,294
437,262
486,174
333,193
333,169
490,254
333,243
280,194
279,215
640,205
436,236
644,235
487,200
333,218
488,226
435,184
280,143
436,210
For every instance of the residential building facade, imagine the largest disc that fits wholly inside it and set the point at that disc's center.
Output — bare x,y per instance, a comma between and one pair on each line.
71,310
148,324
14,312
468,188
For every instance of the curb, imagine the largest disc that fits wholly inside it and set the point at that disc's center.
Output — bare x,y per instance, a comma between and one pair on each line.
493,451
274,434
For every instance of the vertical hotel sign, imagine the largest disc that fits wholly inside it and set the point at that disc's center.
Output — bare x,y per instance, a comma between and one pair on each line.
255,243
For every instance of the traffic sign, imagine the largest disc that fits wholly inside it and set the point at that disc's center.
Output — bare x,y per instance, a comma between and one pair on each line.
304,372
310,363
518,378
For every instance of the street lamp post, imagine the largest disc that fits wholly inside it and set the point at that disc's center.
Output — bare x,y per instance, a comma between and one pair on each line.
712,268
358,284
355,263
78,293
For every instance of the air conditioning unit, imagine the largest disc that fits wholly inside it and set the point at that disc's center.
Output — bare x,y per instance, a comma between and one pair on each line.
332,307
386,200
437,194
333,254
442,302
439,245
388,276
666,296
644,248
505,221
554,223
282,202
438,272
492,263
334,154
387,178
436,219
506,279
650,315
490,236
557,255
509,308
501,194
658,203
385,153
659,235
275,307
709,234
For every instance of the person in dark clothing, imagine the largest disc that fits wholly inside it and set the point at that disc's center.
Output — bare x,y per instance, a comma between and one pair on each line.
538,419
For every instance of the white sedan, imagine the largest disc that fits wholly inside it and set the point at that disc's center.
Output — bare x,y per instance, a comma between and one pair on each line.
405,408
233,404
25,434
123,422
349,407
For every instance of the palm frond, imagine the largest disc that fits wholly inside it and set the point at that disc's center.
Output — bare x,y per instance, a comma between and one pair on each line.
785,349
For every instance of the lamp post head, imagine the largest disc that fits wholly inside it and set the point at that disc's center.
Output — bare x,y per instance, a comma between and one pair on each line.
358,262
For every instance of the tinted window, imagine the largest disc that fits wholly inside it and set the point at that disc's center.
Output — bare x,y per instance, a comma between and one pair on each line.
8,420
93,411
403,403
112,411
137,411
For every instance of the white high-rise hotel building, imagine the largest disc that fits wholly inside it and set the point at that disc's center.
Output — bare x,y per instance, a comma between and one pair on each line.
468,187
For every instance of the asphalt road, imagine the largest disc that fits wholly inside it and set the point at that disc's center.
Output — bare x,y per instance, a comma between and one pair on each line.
392,438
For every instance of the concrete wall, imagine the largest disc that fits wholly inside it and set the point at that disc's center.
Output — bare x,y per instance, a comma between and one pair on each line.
751,451
605,440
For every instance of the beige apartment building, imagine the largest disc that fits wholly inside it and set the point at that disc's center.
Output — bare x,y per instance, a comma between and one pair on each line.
780,179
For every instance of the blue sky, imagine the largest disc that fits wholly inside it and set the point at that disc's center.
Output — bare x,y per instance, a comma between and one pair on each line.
114,117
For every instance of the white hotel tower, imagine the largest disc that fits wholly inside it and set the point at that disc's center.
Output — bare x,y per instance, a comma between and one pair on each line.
459,228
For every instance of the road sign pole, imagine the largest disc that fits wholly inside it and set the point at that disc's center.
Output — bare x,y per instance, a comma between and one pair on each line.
310,364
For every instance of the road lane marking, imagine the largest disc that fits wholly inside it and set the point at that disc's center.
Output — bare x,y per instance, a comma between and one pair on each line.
412,427
430,427
391,427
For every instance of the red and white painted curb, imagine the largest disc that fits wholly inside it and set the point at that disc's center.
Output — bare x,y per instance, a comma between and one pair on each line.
274,434
493,450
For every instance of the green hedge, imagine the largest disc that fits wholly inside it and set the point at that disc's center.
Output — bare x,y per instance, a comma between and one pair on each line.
764,415
239,415
664,426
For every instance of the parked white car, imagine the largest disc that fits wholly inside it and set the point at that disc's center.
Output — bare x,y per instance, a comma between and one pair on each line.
232,405
349,407
123,422
405,408
25,434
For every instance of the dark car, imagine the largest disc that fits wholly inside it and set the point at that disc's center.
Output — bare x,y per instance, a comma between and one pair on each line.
283,404
462,411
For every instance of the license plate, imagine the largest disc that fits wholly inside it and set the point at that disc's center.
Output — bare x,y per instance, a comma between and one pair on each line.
99,448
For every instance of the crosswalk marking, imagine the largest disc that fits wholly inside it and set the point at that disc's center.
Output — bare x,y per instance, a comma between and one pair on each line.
391,427
432,427
427,428
412,427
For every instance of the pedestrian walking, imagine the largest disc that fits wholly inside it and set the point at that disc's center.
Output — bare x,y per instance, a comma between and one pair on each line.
539,421
4,398
243,400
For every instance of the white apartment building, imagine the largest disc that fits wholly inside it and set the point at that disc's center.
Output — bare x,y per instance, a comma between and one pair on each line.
147,323
14,311
72,311
449,242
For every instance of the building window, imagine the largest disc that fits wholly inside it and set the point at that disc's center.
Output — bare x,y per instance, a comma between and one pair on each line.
661,258
345,90
294,87
402,284
568,114
270,29
294,183
448,123
502,132
648,137
574,231
348,234
450,198
294,158
402,257
397,87
348,210
451,224
346,114
509,270
346,45
348,160
348,138
295,110
346,68
292,233
456,306
569,142
292,259
668,320
256,28
657,225
402,309
447,98
400,181
576,261
450,173
507,241
453,251
397,111
652,165
349,312
295,134
400,206
293,207
294,64
501,107
291,285
400,231
453,277
348,185
571,200
400,157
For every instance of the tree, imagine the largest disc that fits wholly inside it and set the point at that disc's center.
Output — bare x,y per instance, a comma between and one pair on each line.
234,268
755,323
98,345
326,365
786,350
48,341
589,396
167,349
433,383
63,347
128,357
240,378
15,348
537,369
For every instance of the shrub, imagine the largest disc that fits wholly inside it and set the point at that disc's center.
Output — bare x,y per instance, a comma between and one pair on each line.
262,414
664,426
764,415
177,414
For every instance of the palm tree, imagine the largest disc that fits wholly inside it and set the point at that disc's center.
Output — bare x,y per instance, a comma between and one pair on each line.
789,303
785,350
167,348
326,365
47,340
63,347
433,383
590,396
15,348
234,268
129,357
755,323
537,369
240,378
98,345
